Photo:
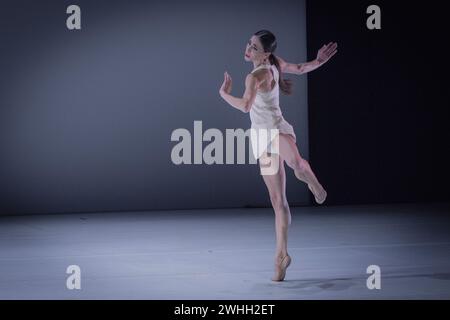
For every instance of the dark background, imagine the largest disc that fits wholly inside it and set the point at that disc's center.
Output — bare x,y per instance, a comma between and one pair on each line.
86,116
378,114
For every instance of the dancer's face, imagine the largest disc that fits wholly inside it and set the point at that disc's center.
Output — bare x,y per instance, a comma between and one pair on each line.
254,51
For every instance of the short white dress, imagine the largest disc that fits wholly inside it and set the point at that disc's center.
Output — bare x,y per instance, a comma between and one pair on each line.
265,116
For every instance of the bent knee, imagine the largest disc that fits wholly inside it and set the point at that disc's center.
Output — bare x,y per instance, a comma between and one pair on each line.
298,164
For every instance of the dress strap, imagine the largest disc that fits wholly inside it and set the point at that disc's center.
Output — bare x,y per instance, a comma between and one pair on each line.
276,73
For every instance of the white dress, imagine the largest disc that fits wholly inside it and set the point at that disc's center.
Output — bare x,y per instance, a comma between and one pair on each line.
266,115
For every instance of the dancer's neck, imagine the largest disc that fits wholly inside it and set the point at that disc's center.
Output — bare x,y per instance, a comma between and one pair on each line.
259,65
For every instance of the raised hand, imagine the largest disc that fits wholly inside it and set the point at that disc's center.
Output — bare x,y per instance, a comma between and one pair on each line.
326,52
227,84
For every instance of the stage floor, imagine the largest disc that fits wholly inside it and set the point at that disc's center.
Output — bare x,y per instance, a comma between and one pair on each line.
228,254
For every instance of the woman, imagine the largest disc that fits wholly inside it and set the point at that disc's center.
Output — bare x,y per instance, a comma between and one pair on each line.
261,100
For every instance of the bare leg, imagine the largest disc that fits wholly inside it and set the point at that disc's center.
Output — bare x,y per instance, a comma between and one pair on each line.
289,152
276,185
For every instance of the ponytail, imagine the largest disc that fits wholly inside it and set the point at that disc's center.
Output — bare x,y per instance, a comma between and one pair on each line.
285,84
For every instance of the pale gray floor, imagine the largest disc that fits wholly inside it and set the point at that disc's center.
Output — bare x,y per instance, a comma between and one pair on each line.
228,254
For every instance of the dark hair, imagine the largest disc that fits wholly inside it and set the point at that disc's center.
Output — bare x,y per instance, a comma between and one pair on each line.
269,43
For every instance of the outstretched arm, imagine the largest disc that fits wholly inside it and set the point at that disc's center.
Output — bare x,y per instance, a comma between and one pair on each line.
243,104
324,54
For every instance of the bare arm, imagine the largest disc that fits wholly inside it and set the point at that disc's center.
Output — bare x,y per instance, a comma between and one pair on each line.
243,104
324,54
298,68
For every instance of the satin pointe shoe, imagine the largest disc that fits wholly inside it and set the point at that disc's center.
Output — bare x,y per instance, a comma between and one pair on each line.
280,268
320,198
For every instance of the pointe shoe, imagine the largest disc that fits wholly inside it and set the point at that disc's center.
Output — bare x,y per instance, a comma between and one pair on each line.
319,198
280,268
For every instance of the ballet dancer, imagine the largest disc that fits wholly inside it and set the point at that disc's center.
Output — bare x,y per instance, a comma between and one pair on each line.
261,101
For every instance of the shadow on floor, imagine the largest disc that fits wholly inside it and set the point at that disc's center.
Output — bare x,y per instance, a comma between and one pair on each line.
338,284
